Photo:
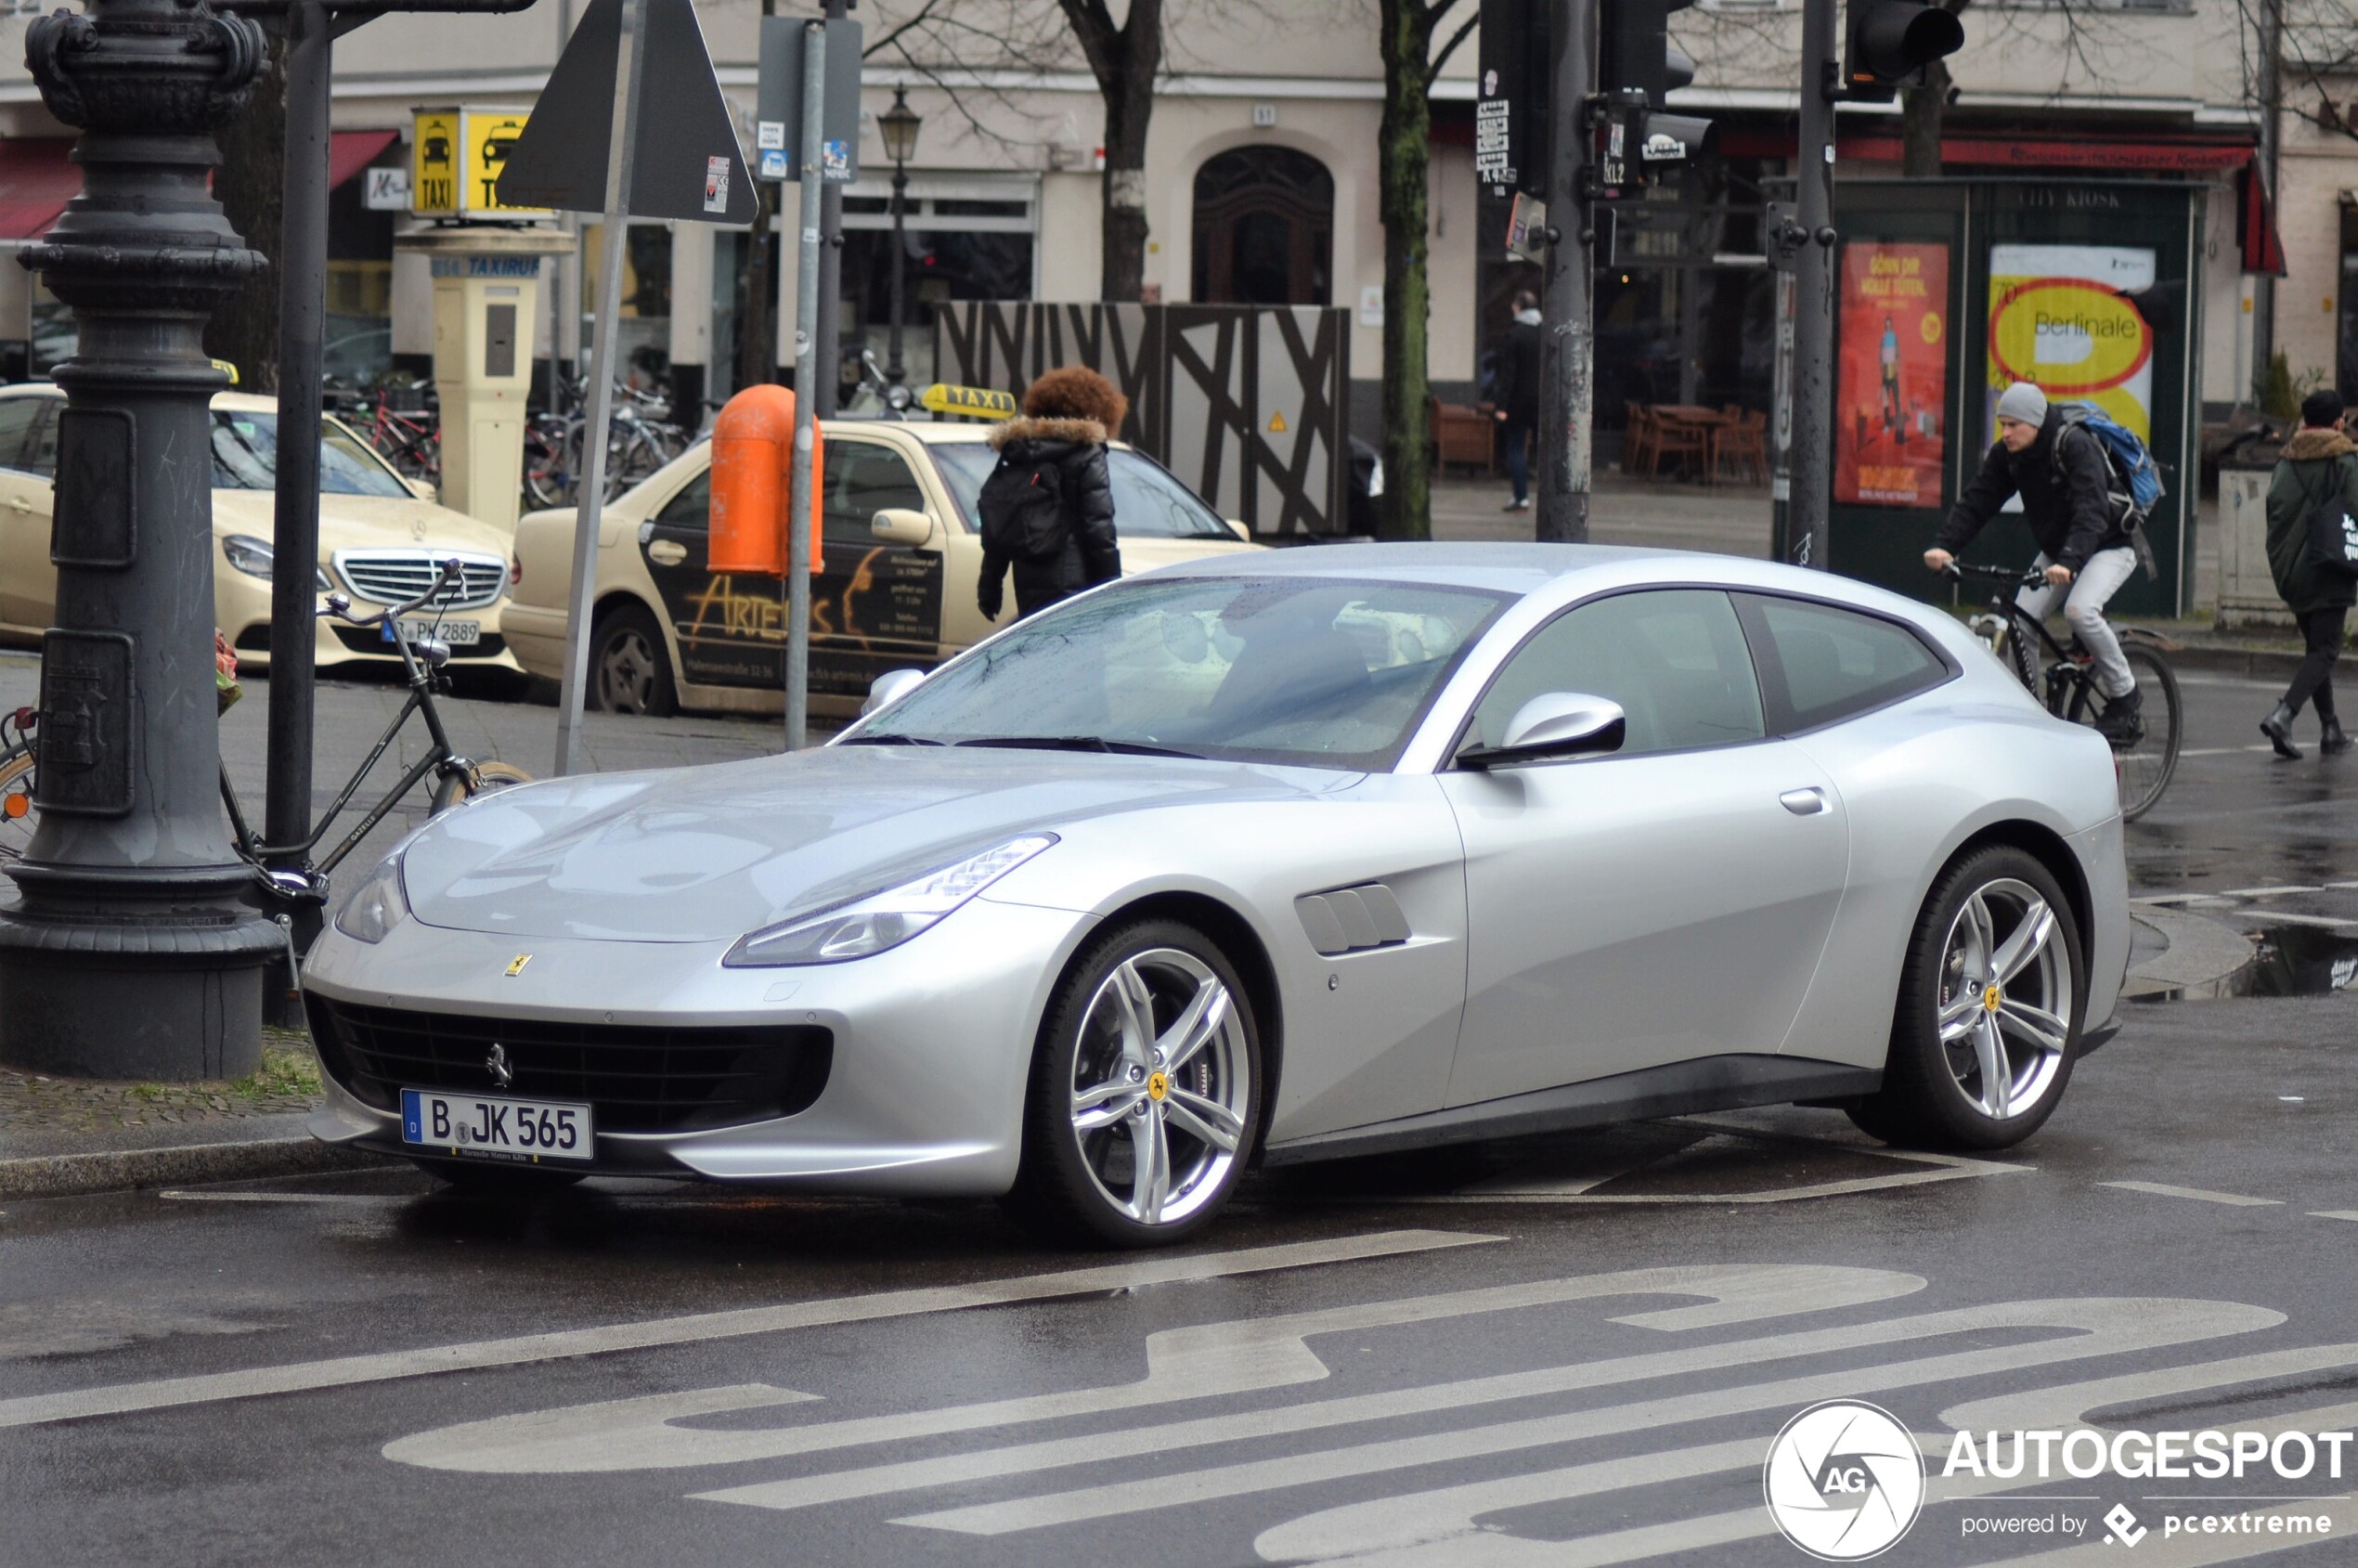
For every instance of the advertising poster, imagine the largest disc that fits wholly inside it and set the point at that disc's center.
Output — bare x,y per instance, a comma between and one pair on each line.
2057,318
1890,376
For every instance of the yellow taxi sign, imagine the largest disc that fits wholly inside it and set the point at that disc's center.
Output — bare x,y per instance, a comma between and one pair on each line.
455,159
974,402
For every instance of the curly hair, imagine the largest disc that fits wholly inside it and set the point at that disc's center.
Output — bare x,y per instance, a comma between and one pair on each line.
1075,392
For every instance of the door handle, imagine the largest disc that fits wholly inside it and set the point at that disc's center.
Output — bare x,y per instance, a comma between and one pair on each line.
1803,802
667,552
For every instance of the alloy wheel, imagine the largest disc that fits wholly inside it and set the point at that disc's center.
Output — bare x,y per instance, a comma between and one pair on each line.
2005,994
626,672
1160,1086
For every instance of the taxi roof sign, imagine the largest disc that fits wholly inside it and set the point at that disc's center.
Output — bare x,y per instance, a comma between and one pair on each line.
974,402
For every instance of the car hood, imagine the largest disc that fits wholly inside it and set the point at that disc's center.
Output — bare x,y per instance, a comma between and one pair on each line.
365,522
708,853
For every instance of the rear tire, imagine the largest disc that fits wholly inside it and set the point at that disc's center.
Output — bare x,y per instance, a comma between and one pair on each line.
629,669
2145,769
1146,1093
1988,1014
488,776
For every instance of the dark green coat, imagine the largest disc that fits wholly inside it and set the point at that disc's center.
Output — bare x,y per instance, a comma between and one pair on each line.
2314,461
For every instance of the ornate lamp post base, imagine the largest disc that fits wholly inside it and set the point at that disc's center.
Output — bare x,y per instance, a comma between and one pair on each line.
130,949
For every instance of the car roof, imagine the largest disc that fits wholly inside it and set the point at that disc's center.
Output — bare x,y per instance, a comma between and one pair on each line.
1502,566
233,402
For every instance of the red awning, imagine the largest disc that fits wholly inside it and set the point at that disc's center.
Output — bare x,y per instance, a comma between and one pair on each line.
1988,149
37,179
35,184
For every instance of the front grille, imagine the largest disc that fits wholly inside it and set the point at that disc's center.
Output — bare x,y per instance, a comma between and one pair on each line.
369,640
396,577
638,1079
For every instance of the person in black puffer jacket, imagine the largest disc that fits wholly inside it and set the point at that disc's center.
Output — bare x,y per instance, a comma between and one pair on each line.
1069,415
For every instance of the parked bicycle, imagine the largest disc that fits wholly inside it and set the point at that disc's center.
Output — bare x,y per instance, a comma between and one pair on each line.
641,438
2062,679
297,892
403,424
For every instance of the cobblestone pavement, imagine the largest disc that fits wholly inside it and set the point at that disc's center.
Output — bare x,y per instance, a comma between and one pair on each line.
289,1080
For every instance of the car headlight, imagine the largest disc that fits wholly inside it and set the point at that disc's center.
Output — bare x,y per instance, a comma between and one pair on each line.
882,920
255,557
377,905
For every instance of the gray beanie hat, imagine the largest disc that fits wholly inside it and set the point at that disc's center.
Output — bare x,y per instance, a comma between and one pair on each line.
2025,402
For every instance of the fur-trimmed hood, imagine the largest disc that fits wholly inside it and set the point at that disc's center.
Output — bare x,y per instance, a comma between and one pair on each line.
1080,433
2308,446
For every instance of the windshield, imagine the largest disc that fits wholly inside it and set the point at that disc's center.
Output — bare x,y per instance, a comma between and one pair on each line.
1310,671
1148,503
245,457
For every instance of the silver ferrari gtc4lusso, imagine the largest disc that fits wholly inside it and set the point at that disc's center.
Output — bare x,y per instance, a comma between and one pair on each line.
1298,856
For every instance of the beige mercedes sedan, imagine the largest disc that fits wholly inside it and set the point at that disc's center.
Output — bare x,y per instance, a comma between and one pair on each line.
381,539
902,557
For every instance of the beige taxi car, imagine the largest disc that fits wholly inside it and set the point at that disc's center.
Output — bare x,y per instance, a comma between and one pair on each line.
381,540
901,551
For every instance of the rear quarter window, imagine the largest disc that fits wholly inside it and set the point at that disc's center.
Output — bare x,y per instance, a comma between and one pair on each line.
1821,663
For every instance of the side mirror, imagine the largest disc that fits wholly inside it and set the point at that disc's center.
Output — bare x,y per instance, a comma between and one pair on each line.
424,489
1555,724
1238,529
886,689
900,526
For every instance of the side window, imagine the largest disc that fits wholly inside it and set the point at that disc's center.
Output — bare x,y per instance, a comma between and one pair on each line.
41,448
691,508
1673,658
1822,664
18,416
864,479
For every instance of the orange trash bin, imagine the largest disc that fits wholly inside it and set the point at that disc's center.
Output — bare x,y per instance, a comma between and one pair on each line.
752,477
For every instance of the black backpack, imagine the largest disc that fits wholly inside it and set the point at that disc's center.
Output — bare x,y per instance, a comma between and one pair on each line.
1023,509
2329,534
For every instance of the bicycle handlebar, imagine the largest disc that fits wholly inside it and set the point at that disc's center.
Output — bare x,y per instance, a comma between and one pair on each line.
443,579
2026,576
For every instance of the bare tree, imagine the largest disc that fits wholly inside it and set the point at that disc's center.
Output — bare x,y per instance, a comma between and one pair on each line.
1126,60
251,185
1403,161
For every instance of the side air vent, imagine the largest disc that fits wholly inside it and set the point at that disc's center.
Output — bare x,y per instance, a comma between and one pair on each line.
1351,919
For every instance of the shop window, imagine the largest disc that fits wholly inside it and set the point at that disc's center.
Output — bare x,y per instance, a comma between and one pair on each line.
1264,228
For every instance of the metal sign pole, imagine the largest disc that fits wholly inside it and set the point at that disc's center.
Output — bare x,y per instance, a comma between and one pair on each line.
1567,394
808,375
1813,367
621,154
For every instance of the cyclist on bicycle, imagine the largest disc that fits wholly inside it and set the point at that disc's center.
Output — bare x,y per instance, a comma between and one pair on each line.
2061,473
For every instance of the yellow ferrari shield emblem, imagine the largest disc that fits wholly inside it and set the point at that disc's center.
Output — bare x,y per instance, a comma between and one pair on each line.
515,964
1158,1085
1991,998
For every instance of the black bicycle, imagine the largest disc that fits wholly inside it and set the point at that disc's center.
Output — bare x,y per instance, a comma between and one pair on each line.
2061,678
295,891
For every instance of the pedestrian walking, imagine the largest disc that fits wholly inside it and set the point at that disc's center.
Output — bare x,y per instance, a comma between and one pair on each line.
1517,407
1047,508
2086,540
2318,468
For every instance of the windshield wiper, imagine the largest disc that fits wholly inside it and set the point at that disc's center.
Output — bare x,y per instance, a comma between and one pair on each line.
888,740
1082,742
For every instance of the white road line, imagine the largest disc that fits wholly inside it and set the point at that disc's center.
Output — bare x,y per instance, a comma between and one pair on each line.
2163,1189
2098,1321
2349,1214
2268,892
175,1195
345,1371
1190,1363
2326,922
2221,751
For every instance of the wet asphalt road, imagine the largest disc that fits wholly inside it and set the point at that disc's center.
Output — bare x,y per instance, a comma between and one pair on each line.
1505,1361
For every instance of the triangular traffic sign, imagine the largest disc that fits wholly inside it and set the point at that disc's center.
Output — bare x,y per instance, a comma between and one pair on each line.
687,165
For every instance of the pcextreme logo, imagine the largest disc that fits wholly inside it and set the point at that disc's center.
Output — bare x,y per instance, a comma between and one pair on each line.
1843,1481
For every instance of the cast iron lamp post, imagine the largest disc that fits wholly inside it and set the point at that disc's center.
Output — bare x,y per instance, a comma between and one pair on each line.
899,125
129,951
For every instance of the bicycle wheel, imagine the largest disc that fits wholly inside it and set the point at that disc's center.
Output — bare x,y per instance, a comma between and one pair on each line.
2145,767
16,802
2022,657
488,776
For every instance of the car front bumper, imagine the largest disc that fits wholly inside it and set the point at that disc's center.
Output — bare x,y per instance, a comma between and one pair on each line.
242,608
931,1043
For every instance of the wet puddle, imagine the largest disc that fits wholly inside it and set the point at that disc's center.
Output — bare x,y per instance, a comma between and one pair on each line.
2287,960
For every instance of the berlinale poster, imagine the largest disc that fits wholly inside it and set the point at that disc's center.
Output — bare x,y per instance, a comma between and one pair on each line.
1890,378
2057,317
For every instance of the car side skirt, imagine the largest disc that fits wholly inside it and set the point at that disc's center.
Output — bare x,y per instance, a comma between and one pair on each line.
1677,1089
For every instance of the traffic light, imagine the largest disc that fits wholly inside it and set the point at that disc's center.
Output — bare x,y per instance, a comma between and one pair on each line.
1637,68
1888,43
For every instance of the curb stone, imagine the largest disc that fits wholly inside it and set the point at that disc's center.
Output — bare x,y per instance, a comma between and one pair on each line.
115,1170
2201,958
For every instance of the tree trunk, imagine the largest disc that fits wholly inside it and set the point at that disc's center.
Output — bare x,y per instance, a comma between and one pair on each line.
1124,210
251,183
1922,115
1402,158
756,332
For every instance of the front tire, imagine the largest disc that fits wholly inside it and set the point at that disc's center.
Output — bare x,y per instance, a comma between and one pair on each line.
629,670
487,777
1988,1013
1145,1095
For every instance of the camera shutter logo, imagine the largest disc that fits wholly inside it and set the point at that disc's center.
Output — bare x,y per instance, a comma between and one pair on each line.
1843,1481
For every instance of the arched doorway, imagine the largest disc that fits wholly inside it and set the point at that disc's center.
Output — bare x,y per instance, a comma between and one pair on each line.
1264,229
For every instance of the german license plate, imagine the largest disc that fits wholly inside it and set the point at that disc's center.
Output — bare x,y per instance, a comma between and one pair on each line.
475,1124
459,634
